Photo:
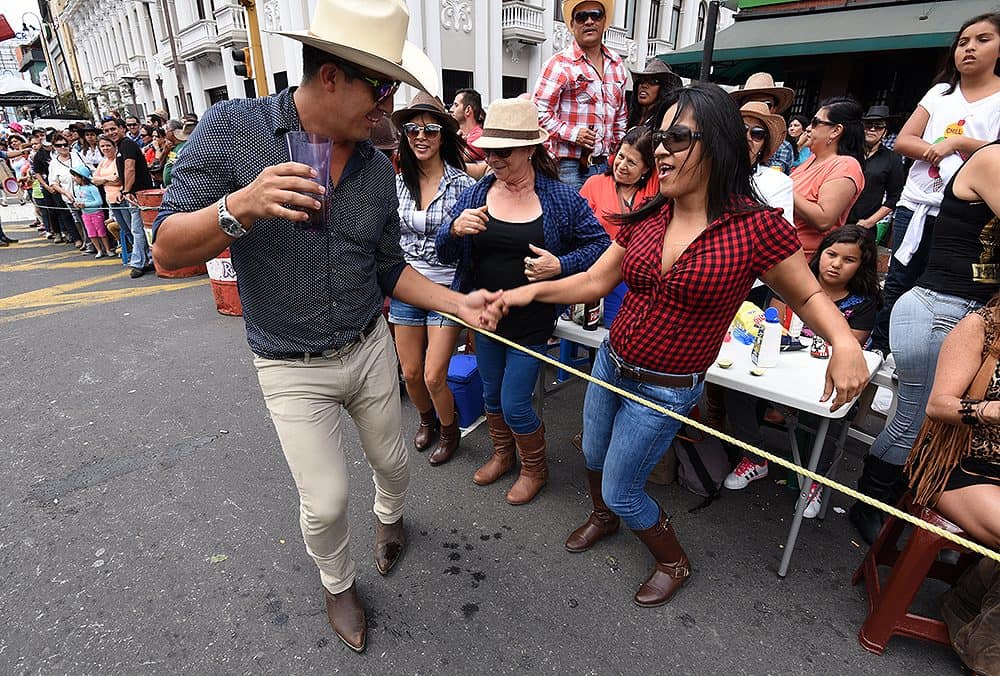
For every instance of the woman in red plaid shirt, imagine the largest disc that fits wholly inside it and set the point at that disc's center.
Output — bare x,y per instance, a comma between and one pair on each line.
689,258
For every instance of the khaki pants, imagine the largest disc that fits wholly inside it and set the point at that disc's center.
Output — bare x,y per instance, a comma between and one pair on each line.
305,400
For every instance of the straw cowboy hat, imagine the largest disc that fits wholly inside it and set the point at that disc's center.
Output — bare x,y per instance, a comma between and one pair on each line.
423,102
185,131
569,6
762,83
655,68
371,34
775,125
160,115
511,123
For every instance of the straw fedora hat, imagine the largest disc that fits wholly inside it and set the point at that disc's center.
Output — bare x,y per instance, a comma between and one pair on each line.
569,6
763,83
775,125
511,123
184,133
655,68
370,34
423,102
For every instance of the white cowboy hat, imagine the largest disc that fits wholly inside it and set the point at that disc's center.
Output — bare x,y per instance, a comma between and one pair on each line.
370,34
511,123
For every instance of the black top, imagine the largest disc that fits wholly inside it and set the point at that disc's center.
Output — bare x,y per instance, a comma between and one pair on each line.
884,179
498,262
963,252
302,290
128,150
40,163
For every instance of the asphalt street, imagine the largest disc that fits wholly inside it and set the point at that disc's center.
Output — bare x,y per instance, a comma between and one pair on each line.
149,525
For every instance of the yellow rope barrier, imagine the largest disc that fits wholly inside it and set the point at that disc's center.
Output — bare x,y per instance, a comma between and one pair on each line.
770,457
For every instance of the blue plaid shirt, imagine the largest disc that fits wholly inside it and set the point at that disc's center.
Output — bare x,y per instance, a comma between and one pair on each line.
571,230
301,290
418,245
783,158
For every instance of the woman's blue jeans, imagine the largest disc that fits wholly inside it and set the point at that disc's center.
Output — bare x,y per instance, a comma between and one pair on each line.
920,321
626,440
509,378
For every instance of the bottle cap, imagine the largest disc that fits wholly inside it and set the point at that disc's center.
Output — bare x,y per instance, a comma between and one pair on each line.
771,315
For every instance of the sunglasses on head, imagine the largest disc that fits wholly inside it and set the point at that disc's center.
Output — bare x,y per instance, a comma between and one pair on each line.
502,153
756,133
815,122
874,125
594,15
676,139
382,88
412,129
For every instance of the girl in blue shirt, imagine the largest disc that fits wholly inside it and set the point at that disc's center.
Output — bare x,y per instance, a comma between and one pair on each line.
87,197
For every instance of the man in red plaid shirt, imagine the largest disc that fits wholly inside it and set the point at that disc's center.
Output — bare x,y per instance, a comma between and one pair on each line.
580,94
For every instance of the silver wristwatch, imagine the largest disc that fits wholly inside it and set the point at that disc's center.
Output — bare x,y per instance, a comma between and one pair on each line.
228,223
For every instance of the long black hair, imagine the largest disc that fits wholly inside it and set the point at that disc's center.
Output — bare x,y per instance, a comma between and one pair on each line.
865,281
640,138
847,112
636,113
948,73
724,148
451,153
804,121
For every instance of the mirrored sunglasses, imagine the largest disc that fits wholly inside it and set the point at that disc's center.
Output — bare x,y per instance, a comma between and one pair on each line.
412,129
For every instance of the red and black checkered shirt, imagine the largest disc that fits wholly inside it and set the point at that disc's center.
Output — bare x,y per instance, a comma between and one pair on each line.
675,323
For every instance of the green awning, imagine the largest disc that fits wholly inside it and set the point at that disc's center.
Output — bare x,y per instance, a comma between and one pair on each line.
740,48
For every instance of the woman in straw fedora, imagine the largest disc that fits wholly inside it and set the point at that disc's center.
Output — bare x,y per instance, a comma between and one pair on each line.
519,225
312,297
765,133
431,179
689,258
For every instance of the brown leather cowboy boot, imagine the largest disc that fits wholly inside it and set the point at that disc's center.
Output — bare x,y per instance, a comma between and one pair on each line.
672,568
347,617
447,443
601,523
502,460
390,542
534,471
426,430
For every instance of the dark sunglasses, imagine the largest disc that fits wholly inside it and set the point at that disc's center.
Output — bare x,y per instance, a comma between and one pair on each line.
132,124
676,139
59,145
584,14
502,153
382,89
817,122
756,133
412,129
874,125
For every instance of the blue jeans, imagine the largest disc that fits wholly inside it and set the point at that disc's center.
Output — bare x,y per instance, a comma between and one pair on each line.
120,212
571,174
625,440
404,314
509,378
920,322
132,217
900,278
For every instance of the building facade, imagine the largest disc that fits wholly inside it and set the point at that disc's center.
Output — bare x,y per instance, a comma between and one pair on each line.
121,56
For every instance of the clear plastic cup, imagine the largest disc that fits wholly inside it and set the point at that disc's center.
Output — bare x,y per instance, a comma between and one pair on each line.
312,150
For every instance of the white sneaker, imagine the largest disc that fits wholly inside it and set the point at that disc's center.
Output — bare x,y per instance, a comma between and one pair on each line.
814,501
100,254
744,473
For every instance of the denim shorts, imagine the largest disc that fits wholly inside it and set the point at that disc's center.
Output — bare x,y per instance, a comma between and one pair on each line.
404,314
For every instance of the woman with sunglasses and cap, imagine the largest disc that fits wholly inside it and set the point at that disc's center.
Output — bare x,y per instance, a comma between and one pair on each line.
765,133
649,87
689,258
430,180
518,225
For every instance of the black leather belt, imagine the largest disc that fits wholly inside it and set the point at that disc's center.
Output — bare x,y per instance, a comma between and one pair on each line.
594,160
642,375
305,356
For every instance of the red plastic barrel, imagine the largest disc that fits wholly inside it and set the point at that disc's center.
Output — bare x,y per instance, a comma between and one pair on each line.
153,198
222,277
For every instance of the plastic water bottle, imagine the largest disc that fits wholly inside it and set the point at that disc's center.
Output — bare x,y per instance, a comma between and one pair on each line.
768,342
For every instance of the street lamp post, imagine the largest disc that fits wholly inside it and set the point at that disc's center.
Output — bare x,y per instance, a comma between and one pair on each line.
711,27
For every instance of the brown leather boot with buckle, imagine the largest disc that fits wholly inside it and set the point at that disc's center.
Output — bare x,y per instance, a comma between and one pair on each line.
534,471
390,542
347,617
502,460
601,523
426,430
447,443
672,568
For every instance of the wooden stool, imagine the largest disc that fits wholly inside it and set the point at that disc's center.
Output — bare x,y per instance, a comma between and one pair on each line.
888,606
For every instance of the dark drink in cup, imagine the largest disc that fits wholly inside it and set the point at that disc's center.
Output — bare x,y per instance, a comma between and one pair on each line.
312,150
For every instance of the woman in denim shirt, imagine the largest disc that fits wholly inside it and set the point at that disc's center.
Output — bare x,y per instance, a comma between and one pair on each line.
517,226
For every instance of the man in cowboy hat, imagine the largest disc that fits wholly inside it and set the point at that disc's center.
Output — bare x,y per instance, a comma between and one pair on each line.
884,173
181,137
312,297
762,88
580,94
158,117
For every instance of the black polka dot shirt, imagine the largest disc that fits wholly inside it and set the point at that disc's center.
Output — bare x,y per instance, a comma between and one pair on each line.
301,290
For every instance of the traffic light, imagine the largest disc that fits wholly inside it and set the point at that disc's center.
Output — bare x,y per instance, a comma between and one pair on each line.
242,65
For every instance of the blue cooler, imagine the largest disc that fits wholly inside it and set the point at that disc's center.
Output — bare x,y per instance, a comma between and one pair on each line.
612,302
465,384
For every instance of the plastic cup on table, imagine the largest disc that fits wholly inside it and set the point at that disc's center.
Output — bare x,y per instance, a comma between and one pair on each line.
312,150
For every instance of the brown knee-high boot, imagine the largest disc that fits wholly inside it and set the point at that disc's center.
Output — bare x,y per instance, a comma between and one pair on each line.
601,523
502,460
672,568
534,471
